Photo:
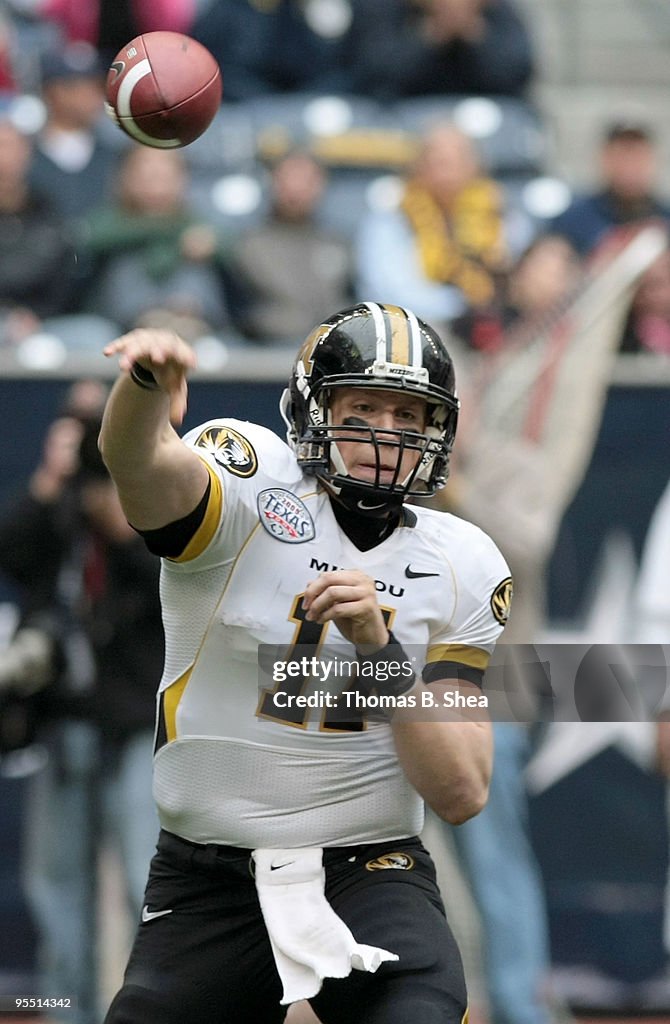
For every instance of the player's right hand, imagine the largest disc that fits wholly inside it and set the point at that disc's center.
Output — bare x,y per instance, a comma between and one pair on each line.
165,354
347,597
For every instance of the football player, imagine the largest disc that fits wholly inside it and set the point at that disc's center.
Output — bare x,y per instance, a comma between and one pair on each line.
289,827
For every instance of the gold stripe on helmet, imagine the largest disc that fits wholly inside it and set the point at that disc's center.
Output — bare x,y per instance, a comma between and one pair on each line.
400,337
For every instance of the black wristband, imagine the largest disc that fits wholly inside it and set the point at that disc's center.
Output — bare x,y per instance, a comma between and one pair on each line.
143,378
374,669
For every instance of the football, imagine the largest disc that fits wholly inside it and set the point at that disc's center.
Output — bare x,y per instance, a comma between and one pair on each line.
163,89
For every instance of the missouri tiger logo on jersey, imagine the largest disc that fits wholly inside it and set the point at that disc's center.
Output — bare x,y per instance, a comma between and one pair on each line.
501,600
391,862
230,449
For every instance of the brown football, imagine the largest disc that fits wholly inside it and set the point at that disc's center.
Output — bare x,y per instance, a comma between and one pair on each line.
163,89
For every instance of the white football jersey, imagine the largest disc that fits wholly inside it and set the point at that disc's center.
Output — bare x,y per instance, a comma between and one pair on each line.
233,765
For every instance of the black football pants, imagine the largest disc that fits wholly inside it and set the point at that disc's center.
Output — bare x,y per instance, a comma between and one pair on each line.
209,960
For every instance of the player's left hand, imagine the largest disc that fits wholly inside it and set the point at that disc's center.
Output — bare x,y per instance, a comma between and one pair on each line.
348,598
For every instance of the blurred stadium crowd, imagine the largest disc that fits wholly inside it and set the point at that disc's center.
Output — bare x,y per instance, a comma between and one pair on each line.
365,149
395,154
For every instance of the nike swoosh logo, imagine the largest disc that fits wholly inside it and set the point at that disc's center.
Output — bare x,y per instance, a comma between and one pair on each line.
411,575
150,915
117,67
286,864
362,504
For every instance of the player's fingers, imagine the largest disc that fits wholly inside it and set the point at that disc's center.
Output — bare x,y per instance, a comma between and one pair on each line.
348,577
161,353
349,610
351,600
178,401
112,348
157,359
129,340
151,348
312,591
332,594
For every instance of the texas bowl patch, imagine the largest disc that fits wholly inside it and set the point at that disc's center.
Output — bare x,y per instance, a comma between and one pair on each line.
285,516
230,449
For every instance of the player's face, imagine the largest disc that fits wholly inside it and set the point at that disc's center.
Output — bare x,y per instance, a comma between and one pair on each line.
383,410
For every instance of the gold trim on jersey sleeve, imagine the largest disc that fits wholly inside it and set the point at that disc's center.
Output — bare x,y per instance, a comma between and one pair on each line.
474,657
171,698
208,526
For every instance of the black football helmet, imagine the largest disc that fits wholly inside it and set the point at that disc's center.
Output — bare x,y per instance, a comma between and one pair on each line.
372,346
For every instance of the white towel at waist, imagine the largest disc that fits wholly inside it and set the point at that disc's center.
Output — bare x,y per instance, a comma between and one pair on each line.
309,940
